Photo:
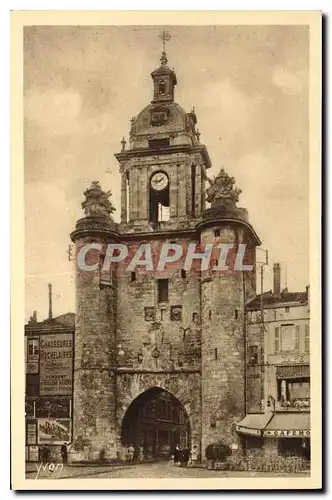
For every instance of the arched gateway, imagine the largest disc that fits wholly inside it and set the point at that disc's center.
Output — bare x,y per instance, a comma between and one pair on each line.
156,421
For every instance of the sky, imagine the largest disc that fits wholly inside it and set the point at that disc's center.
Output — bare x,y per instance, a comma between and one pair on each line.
82,85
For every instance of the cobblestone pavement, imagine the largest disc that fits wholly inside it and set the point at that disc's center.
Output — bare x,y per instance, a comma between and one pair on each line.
154,470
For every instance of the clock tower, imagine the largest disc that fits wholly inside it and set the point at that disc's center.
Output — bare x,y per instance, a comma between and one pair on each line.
163,171
160,353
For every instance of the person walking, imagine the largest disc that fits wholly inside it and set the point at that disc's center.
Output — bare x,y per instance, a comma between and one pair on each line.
64,453
176,454
141,453
194,455
131,452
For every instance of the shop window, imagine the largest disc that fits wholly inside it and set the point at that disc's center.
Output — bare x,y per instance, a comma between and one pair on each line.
162,290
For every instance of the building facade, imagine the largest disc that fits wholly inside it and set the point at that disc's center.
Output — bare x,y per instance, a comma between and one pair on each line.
49,356
278,372
160,355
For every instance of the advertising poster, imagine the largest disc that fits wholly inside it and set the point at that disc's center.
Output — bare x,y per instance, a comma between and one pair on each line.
56,364
31,433
53,408
33,453
51,431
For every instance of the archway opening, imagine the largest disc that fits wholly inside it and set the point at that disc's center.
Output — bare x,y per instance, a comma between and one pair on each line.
154,424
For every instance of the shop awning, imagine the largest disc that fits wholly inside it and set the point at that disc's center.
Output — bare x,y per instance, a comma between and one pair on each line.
253,423
288,425
293,371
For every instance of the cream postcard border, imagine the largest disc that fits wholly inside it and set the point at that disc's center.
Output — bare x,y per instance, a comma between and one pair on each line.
19,19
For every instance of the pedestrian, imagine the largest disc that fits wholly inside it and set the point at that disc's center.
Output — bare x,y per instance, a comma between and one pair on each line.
131,452
185,454
64,453
194,455
141,453
176,454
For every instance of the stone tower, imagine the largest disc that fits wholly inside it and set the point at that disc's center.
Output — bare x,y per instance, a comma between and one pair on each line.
224,292
164,341
95,329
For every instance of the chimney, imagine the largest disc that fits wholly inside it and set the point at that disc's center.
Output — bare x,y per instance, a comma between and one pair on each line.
50,313
34,317
276,279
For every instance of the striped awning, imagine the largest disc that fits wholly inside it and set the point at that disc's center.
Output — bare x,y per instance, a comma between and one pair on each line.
288,425
293,371
253,423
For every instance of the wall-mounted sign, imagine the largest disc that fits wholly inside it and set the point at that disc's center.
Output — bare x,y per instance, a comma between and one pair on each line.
31,433
286,433
56,364
33,454
53,408
248,431
51,431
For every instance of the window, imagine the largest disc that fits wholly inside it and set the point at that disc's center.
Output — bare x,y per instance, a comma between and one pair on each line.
216,354
149,314
217,233
306,339
193,189
133,276
162,290
287,338
33,348
287,309
276,339
236,314
158,143
162,87
183,273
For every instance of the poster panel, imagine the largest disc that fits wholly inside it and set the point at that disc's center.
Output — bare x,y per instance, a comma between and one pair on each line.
31,433
54,431
53,408
56,364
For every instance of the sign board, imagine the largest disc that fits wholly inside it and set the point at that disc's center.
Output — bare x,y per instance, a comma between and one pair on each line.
234,446
287,433
56,364
54,431
248,431
31,433
33,454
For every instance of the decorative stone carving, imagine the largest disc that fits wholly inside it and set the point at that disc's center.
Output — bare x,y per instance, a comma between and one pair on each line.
176,313
222,190
96,201
149,313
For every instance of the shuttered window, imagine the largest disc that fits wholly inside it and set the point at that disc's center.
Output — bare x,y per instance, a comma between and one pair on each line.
306,339
297,337
276,339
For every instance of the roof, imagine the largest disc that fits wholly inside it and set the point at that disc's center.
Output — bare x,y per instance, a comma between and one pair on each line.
63,322
289,421
255,420
272,300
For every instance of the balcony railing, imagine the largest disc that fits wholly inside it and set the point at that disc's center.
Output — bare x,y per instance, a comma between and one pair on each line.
302,404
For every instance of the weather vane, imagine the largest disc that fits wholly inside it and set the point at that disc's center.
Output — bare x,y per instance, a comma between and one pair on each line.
165,36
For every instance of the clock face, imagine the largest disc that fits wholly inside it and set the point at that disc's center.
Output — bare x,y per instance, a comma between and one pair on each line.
159,181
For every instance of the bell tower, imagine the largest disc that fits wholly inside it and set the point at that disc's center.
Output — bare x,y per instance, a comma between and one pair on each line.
163,171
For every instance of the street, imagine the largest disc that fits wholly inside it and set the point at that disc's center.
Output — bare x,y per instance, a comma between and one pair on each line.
146,470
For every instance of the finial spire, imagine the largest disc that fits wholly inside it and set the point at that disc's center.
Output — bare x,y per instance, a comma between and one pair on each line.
164,36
